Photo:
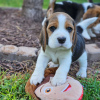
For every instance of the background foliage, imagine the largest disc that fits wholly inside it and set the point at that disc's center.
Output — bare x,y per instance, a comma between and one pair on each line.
18,3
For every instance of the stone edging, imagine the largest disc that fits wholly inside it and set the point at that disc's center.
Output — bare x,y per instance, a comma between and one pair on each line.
11,52
93,52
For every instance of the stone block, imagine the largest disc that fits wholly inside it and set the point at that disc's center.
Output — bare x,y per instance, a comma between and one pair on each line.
1,45
10,52
93,52
9,49
27,51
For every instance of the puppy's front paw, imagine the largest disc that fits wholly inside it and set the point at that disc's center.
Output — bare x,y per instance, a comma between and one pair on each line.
81,73
36,79
58,80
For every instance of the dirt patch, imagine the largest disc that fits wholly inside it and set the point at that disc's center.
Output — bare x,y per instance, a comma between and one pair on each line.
29,66
17,30
12,67
93,70
94,40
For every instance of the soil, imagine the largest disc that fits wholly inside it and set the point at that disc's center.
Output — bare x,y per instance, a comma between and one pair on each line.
17,30
93,70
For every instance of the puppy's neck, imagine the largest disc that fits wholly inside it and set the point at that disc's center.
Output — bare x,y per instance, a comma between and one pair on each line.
61,49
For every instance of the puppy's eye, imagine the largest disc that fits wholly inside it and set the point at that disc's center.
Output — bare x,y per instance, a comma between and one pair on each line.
47,90
52,28
69,29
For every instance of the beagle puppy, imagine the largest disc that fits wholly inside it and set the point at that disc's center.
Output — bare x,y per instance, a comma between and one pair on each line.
75,10
61,44
94,27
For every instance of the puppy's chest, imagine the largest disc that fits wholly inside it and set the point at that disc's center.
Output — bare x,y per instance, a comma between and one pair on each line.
54,57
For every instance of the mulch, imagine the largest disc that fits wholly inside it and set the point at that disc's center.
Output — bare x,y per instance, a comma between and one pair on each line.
17,30
12,67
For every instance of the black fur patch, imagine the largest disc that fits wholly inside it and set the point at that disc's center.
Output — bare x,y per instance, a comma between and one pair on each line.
79,29
90,7
46,32
70,8
79,47
97,4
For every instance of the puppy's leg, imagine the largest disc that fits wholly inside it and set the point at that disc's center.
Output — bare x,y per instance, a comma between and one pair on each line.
63,69
91,33
38,73
83,65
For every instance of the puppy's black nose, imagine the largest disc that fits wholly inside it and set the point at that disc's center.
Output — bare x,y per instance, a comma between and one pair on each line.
61,40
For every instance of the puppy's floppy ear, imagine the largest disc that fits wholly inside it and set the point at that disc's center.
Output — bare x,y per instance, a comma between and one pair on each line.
74,38
44,36
49,12
51,8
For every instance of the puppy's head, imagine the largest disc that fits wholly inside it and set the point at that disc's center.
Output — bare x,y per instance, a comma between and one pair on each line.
58,31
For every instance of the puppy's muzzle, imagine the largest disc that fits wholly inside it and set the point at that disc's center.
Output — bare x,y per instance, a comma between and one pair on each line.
61,40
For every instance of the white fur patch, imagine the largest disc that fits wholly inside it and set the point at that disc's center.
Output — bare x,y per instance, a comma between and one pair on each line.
43,21
51,64
85,34
61,3
97,29
62,71
91,33
41,64
83,65
61,20
86,5
69,1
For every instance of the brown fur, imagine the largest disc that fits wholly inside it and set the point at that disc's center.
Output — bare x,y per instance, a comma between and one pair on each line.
53,21
30,89
93,12
51,6
74,37
44,36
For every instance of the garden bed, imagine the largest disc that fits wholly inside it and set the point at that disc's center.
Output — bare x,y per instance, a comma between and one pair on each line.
16,30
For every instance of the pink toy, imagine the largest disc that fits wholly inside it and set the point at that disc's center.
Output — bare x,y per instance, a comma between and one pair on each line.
71,90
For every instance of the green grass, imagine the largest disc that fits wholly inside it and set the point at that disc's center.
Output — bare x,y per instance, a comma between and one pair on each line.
46,2
13,88
91,89
18,3
11,3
